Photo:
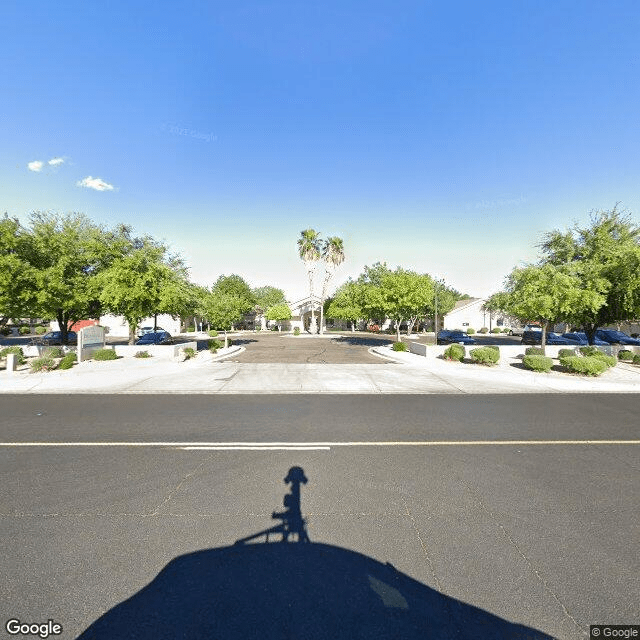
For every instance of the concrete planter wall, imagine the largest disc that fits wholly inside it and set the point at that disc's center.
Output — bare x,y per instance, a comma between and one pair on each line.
511,351
168,351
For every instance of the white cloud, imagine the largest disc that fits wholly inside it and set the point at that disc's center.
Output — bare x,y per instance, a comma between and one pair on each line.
95,183
36,165
56,162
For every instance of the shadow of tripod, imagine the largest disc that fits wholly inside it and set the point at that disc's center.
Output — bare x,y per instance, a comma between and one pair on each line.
292,520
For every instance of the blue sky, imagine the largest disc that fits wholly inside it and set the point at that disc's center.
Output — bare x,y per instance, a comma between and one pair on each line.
442,137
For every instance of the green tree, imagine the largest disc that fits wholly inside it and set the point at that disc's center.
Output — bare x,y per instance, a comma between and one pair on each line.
310,253
279,313
145,281
223,310
237,286
333,257
347,304
267,297
605,257
67,254
399,295
547,294
17,276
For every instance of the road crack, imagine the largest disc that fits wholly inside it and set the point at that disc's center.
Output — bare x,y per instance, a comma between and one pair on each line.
423,545
177,488
547,587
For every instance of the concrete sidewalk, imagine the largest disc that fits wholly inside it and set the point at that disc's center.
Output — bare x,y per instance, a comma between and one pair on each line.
396,373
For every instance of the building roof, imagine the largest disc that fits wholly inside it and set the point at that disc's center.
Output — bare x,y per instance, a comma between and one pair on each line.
467,302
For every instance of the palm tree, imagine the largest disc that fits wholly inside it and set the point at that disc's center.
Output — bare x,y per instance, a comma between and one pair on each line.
333,257
309,251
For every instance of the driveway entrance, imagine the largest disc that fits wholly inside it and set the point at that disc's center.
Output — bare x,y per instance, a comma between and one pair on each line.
276,348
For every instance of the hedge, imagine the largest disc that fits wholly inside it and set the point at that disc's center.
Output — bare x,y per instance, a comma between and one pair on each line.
625,354
17,350
588,365
566,353
104,354
535,351
485,355
454,352
399,346
68,361
537,363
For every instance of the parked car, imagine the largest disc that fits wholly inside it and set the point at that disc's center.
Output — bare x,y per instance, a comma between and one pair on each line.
580,338
616,337
535,337
516,331
155,337
142,331
55,337
453,337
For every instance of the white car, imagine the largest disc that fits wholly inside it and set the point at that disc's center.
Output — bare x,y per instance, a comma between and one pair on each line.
518,331
142,331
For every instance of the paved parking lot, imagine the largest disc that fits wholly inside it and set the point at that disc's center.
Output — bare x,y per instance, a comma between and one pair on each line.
285,348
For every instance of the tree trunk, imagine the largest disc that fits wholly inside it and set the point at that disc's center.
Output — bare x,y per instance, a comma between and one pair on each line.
62,324
155,321
543,337
226,340
321,331
353,327
590,330
398,329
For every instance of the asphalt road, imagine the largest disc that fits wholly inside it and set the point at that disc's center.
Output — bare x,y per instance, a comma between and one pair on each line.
429,516
278,348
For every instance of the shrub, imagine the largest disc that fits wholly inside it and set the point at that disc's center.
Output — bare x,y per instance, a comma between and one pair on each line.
399,346
587,365
537,362
189,352
142,354
68,361
17,350
214,345
485,355
625,354
212,332
190,329
53,352
5,331
484,330
566,353
40,330
610,361
494,347
454,352
24,331
505,330
104,354
470,331
296,331
496,330
43,363
589,351
636,358
373,327
536,351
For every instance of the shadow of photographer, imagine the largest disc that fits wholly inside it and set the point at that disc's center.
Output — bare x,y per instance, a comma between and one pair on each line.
280,590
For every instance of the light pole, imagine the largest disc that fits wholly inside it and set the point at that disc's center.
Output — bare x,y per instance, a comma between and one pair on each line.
435,320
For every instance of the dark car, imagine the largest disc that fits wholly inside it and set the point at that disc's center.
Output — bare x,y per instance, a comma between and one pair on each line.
454,337
580,338
616,337
535,337
55,337
155,337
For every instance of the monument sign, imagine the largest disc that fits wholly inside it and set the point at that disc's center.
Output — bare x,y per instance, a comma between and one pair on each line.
90,339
